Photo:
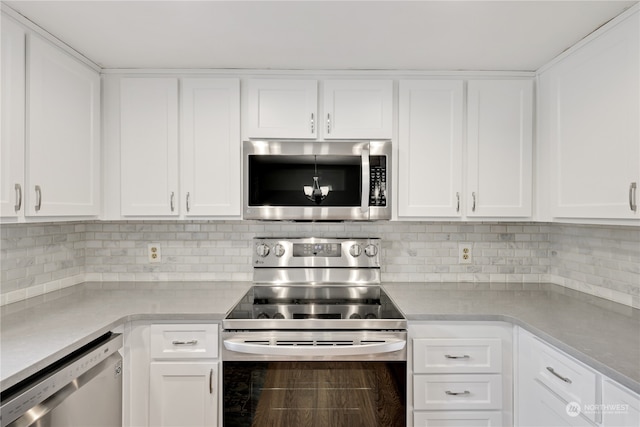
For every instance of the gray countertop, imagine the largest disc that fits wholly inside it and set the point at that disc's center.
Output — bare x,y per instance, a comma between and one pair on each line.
602,334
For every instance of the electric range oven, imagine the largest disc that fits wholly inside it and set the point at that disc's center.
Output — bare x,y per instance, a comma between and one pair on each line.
316,341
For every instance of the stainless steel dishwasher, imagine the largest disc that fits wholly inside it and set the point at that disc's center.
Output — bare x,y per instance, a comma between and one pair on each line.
83,389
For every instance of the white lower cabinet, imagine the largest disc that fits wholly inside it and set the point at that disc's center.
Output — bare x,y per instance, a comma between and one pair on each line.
460,374
183,394
172,375
554,389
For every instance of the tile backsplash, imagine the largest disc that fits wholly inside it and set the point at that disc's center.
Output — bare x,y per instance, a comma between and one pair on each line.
38,258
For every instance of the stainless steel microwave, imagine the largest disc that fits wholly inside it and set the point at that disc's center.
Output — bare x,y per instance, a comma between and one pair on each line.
317,181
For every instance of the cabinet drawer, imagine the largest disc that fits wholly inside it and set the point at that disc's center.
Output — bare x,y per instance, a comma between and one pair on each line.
457,419
453,392
565,376
457,355
184,341
621,407
547,409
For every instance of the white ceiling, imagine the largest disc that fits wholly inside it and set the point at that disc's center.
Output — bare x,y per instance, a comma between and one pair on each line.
389,35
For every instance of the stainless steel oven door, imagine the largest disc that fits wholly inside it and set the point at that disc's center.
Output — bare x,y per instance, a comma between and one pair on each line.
322,379
315,181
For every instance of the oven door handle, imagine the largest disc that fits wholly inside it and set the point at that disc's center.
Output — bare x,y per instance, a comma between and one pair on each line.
268,348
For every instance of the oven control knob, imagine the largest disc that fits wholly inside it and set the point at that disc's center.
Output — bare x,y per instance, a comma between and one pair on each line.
370,316
262,250
278,316
371,250
355,250
263,315
355,316
278,250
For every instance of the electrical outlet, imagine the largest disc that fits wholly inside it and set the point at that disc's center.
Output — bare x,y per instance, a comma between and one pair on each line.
464,253
153,252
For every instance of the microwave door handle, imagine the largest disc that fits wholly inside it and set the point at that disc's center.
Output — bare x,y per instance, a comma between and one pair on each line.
366,181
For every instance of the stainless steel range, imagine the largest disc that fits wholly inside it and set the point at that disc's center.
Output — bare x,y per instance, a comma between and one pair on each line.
316,336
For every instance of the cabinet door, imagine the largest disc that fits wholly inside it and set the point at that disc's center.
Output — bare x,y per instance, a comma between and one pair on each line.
358,109
63,143
149,146
430,148
499,158
282,108
12,94
594,129
183,394
210,147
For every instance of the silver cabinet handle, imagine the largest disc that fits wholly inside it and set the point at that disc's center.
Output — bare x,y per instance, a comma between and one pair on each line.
328,123
191,342
173,197
188,202
632,196
448,356
211,381
457,393
473,196
458,202
38,198
565,379
18,204
313,123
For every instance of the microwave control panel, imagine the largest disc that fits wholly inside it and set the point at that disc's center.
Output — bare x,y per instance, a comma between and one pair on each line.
378,184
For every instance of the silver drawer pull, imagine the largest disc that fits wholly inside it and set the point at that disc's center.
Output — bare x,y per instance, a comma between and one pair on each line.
192,342
457,393
565,379
632,197
465,356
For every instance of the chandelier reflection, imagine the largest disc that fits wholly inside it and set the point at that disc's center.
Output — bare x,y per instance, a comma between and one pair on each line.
316,192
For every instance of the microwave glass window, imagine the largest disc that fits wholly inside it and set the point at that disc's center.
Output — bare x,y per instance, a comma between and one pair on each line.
281,180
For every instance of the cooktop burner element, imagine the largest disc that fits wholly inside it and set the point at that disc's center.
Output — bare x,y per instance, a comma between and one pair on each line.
316,284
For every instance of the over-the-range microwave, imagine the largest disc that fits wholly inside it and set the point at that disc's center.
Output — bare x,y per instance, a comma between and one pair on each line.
317,181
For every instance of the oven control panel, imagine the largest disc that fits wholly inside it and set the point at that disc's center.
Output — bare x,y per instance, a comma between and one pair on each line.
317,252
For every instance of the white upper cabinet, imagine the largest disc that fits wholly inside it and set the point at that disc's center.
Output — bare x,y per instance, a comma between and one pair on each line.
593,128
12,145
280,108
499,143
352,109
437,176
430,148
63,133
358,109
210,147
149,146
166,170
